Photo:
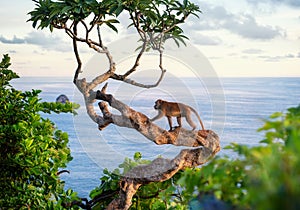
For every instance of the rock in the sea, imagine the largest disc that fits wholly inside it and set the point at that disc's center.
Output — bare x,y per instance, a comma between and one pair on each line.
62,99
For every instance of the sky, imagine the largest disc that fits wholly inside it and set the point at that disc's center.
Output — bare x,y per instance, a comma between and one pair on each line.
240,38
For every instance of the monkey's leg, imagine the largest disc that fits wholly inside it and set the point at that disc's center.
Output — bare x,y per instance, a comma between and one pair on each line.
170,122
190,122
179,121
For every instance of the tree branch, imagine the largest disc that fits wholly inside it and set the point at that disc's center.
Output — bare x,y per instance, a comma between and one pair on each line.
132,119
162,169
133,82
136,64
75,48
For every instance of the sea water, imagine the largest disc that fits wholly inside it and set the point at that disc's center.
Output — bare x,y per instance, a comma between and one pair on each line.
244,104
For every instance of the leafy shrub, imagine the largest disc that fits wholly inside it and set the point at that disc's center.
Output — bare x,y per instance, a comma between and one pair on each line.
266,176
32,150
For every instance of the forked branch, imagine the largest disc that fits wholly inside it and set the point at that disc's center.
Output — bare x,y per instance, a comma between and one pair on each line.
155,23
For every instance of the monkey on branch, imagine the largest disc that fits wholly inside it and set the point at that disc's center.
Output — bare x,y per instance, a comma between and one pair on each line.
178,110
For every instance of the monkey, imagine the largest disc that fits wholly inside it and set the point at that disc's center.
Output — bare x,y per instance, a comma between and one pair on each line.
178,110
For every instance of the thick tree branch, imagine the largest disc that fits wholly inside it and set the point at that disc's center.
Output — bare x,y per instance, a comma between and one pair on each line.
162,169
140,122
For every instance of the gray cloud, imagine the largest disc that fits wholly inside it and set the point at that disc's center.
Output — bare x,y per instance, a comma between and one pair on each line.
293,3
290,56
245,25
12,52
40,39
14,40
276,58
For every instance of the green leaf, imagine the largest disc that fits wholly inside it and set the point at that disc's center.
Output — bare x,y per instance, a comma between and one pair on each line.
185,2
137,156
112,27
276,115
119,10
28,143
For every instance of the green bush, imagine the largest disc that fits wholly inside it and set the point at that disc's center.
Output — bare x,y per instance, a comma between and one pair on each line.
266,176
274,176
32,150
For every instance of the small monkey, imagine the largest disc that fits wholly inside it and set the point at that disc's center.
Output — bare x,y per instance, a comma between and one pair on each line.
178,110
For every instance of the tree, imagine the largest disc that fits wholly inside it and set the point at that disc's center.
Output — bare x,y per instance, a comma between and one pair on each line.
155,22
32,149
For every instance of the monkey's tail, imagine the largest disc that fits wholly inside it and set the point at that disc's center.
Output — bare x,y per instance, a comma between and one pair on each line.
198,116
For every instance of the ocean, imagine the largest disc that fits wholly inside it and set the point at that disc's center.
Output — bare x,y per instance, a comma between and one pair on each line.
233,107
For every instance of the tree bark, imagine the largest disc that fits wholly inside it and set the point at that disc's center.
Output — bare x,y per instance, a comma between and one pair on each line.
162,169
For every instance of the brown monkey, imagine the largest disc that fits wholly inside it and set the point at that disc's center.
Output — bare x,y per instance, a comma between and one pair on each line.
178,110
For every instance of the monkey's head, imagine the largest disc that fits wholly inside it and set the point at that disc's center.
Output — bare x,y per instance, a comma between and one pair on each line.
158,103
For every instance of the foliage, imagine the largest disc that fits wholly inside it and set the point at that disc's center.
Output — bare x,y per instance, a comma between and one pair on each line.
32,150
151,17
262,177
274,178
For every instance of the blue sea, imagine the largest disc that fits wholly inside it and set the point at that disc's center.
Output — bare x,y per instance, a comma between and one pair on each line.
233,107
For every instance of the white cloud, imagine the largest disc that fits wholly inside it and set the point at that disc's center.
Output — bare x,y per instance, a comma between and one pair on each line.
206,40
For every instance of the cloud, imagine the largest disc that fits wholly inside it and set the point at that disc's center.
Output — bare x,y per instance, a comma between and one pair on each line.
12,52
289,56
293,3
245,25
14,40
276,58
206,40
47,42
252,51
